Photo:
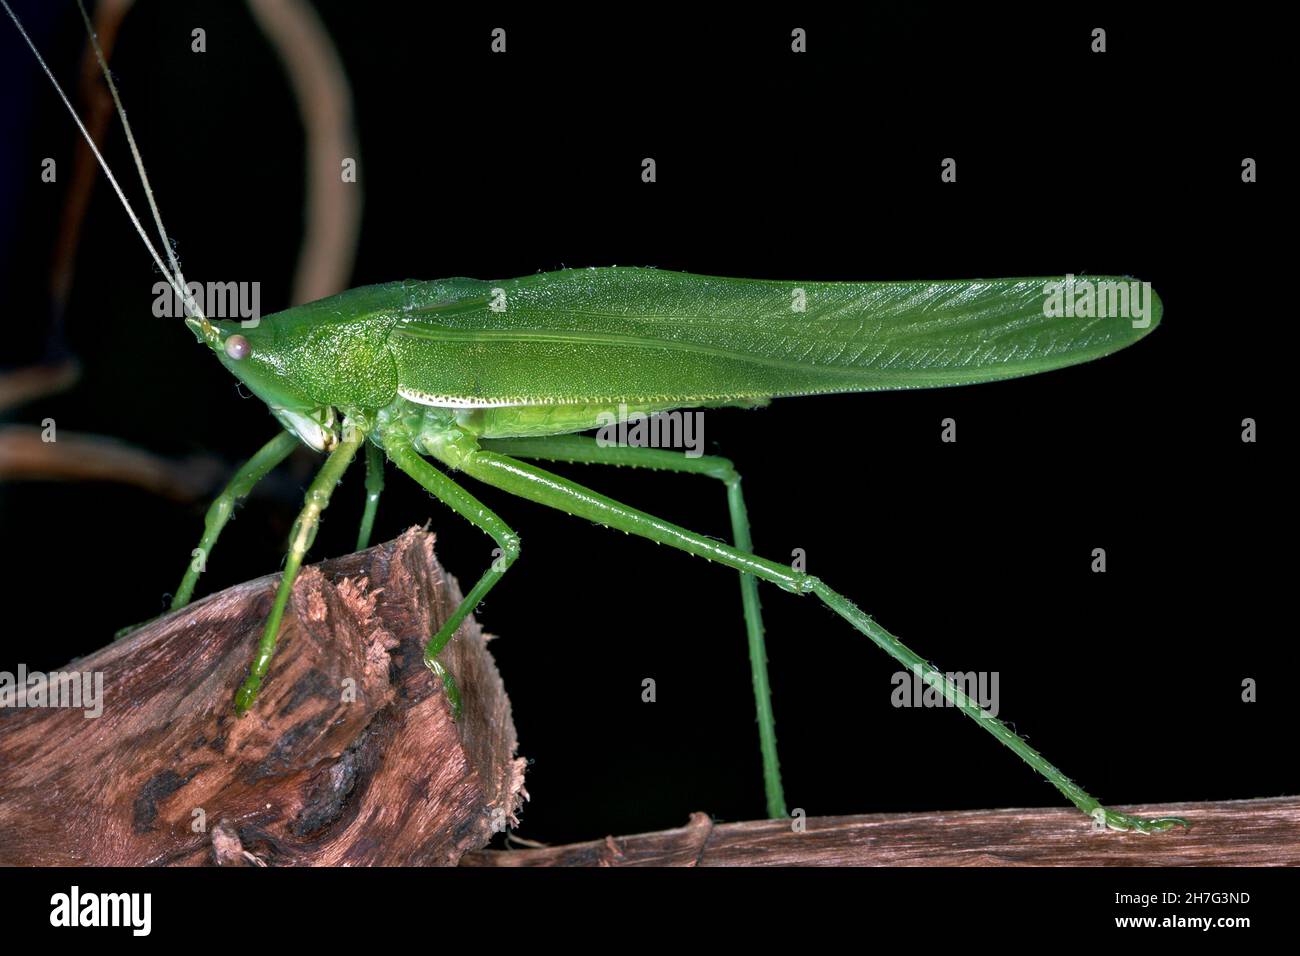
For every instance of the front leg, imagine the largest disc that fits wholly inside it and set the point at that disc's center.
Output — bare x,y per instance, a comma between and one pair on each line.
316,500
249,474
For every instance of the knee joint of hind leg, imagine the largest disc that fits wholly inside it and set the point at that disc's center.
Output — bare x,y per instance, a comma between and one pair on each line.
724,471
807,584
222,507
510,547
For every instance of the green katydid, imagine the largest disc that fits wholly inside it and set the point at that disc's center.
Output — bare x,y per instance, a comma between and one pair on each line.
485,376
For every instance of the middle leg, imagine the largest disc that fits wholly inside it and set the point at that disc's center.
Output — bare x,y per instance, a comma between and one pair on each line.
404,456
374,488
316,500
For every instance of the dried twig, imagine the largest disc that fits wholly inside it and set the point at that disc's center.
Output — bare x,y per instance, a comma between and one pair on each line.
1228,833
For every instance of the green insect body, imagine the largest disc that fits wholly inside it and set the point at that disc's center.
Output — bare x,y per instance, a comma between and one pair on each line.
442,368
547,354
484,376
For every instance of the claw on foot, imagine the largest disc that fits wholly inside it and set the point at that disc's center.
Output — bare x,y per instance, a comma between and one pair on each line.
448,684
246,694
1113,820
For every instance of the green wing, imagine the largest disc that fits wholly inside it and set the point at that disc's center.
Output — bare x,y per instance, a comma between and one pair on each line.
643,336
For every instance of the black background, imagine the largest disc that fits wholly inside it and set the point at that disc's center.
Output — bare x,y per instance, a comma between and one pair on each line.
770,165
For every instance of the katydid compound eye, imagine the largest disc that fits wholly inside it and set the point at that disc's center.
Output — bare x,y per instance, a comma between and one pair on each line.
238,347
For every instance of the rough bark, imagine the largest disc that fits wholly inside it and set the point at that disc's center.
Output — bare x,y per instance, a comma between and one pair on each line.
350,755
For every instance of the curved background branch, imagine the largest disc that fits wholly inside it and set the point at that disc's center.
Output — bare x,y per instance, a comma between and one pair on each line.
320,84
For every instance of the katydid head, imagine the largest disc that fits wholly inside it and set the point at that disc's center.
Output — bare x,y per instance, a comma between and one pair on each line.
250,353
269,368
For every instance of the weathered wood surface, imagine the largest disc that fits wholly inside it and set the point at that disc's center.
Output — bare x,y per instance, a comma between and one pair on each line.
1230,833
312,775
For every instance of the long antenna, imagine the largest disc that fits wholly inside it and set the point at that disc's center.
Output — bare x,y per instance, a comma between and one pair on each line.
130,139
174,275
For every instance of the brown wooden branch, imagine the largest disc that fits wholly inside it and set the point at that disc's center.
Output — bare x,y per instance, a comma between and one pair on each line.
22,385
96,111
350,755
320,85
25,455
1229,833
